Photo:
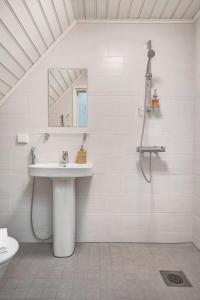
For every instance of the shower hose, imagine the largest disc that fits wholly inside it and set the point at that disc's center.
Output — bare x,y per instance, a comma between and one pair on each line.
141,155
148,179
32,222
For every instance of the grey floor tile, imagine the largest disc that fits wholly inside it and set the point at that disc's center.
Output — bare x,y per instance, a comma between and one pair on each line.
45,282
9,283
64,293
20,294
6,293
66,282
92,294
25,282
77,295
49,293
34,293
101,271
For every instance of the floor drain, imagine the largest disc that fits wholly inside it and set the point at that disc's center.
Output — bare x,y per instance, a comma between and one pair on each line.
175,278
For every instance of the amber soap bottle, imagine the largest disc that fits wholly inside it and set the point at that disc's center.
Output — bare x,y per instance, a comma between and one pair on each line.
155,102
81,156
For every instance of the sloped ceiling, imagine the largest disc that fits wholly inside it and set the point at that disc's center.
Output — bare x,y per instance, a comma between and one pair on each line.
29,28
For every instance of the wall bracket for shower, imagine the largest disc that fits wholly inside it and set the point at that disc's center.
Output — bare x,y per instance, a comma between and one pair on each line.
154,149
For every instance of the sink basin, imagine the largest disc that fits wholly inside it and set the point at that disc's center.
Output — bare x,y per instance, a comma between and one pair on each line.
63,178
58,170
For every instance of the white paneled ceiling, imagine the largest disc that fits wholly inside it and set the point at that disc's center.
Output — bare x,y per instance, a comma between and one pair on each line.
135,9
29,28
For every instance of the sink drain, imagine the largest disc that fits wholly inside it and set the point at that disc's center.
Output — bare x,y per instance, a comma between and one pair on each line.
175,278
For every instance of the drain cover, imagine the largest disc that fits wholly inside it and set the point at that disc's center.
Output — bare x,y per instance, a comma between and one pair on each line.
175,278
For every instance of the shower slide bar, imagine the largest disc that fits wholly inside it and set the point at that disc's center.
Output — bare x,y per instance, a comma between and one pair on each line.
154,149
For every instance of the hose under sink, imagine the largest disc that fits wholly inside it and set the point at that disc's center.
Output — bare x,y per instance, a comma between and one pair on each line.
32,221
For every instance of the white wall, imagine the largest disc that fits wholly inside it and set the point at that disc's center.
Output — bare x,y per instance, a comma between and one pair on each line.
116,204
196,199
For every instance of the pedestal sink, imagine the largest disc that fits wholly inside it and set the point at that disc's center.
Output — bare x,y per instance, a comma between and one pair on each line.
63,178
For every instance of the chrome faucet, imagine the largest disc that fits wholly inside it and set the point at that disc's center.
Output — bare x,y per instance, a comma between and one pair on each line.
65,157
33,155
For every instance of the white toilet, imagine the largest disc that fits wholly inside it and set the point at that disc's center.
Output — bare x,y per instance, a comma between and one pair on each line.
6,257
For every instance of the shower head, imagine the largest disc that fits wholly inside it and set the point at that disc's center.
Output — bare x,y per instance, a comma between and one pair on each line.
151,53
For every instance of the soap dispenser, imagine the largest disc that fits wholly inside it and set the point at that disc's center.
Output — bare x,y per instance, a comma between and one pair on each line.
81,156
155,102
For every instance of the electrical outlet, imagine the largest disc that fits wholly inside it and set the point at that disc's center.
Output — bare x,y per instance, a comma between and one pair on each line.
22,138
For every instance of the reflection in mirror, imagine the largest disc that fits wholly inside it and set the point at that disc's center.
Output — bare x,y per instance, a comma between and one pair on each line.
67,97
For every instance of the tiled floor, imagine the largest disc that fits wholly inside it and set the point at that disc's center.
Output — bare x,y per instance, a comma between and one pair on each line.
104,271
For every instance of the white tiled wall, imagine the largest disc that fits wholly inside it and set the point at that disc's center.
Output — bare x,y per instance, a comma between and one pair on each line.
196,197
116,204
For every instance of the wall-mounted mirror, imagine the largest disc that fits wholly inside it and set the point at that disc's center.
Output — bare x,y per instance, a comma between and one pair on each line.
67,97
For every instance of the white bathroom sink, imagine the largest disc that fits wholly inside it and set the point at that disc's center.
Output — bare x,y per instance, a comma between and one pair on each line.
54,170
63,178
